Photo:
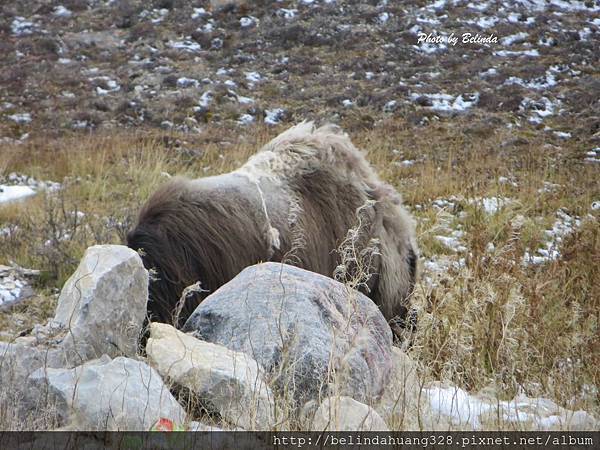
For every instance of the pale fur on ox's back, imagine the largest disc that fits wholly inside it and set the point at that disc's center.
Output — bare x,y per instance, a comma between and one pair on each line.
305,148
309,181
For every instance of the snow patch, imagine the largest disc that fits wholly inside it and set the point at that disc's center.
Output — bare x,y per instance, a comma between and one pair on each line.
249,21
185,45
61,11
20,118
446,102
287,13
564,225
514,38
22,27
245,119
185,82
274,116
198,12
504,53
10,194
491,205
593,156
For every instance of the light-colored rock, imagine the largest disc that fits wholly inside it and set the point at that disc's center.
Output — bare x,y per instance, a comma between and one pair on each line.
199,426
346,414
101,311
229,382
313,335
453,408
403,404
103,304
105,394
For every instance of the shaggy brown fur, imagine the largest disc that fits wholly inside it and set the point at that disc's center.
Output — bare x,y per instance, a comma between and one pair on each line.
295,201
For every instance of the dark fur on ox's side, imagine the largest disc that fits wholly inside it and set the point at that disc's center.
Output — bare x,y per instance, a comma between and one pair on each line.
293,201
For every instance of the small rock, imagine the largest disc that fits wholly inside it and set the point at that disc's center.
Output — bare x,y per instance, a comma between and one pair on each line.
108,395
346,414
230,382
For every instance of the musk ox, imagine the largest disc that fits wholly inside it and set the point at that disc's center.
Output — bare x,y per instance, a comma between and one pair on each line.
307,198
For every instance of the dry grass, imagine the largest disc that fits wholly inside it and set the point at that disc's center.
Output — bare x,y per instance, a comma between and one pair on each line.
494,323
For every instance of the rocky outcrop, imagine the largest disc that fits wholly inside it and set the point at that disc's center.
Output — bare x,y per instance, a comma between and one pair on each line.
104,394
227,382
101,311
308,331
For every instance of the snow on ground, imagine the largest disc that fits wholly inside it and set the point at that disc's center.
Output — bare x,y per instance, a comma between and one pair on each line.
274,116
593,156
563,5
505,53
186,45
245,119
457,405
20,26
514,38
156,15
14,285
541,108
491,205
453,242
61,11
185,82
246,22
446,102
465,411
198,12
18,187
564,225
20,118
14,193
287,13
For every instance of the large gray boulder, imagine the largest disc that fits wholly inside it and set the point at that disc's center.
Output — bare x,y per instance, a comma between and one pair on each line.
104,394
312,334
228,382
